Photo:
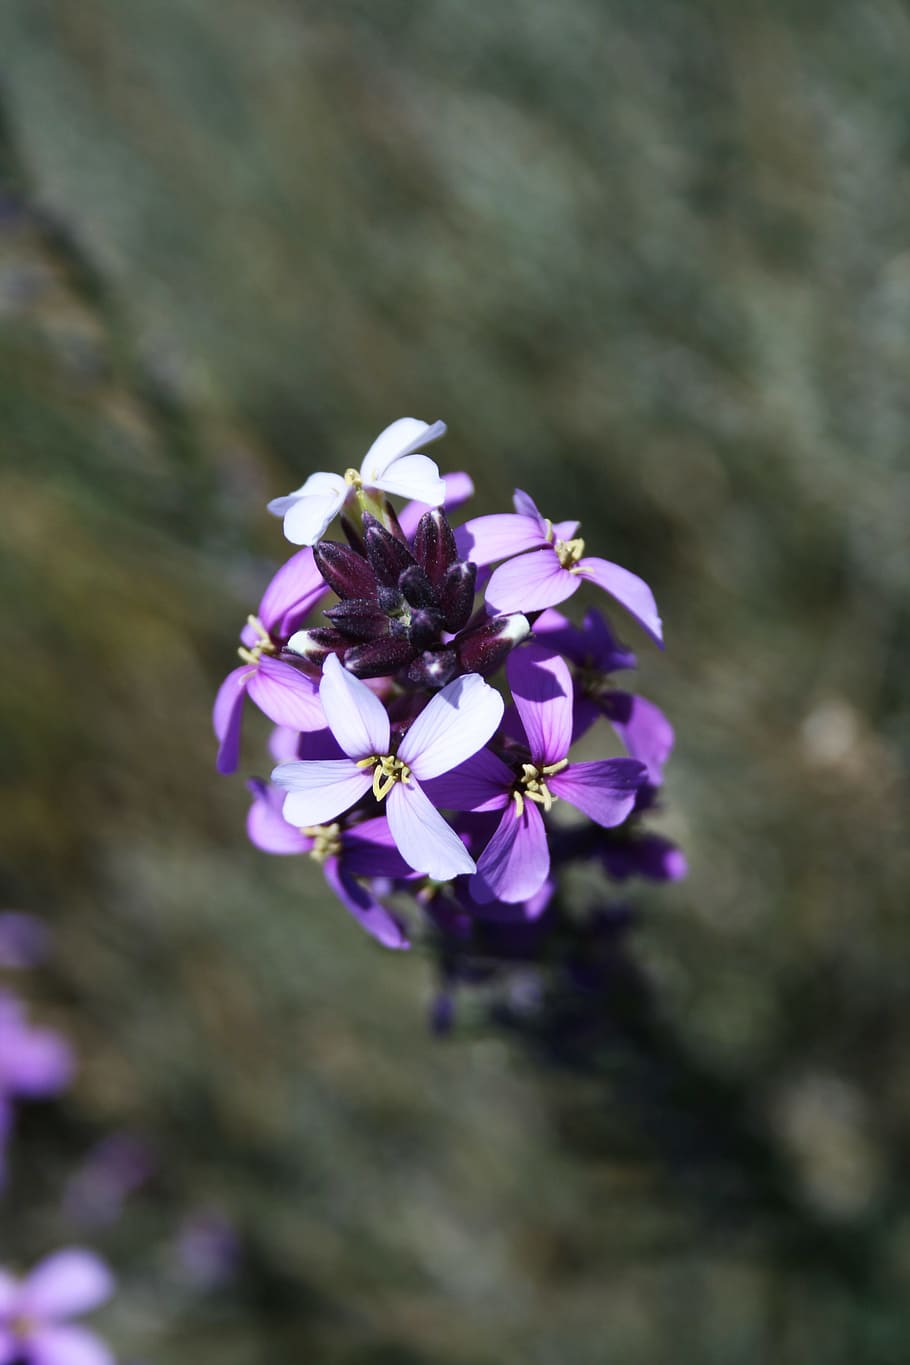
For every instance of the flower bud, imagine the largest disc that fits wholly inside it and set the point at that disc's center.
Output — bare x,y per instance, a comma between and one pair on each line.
434,545
433,668
379,657
388,557
345,571
417,588
458,595
483,649
359,619
316,645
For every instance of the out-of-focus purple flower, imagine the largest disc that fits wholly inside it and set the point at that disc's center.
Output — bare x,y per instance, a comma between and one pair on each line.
208,1249
113,1170
392,464
35,1312
24,940
550,564
516,861
35,1064
280,689
455,723
345,854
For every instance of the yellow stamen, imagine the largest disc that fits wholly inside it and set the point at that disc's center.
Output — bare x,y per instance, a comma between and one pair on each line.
387,770
327,841
569,552
532,785
264,645
353,479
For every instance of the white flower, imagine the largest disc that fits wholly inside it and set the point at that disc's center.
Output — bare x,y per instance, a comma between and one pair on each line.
392,464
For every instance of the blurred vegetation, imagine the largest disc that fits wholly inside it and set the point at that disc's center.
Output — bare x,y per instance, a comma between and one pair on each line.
651,262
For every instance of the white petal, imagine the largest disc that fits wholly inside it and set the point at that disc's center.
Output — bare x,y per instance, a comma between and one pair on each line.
401,438
321,790
457,722
424,839
356,716
414,476
311,515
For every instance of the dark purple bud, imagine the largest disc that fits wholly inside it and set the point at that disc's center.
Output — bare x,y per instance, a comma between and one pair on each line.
425,628
316,645
379,657
345,571
351,534
417,588
391,601
434,545
388,557
483,648
458,595
434,668
359,618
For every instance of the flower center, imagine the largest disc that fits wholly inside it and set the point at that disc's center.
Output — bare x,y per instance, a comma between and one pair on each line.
264,645
387,770
352,479
532,785
569,552
326,841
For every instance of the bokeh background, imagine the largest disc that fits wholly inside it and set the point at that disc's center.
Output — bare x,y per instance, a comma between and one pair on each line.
652,262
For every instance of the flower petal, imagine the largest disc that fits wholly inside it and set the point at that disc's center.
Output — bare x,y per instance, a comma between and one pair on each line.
400,438
9,1290
414,476
515,863
424,839
227,717
542,689
10,1350
459,487
356,716
486,539
293,592
64,1284
320,791
643,729
309,516
267,828
531,583
285,695
629,590
364,906
35,1063
455,724
525,506
369,850
604,790
67,1346
482,782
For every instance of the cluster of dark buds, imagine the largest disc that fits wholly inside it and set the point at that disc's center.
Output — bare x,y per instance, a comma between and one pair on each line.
401,769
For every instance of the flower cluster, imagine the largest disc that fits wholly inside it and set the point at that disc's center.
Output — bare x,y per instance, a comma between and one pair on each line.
425,728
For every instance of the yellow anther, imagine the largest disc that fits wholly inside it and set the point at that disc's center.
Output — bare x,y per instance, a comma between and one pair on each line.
549,532
264,645
352,478
551,769
569,552
532,786
326,841
387,770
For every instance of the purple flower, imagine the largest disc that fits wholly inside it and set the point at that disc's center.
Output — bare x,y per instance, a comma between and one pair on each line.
286,695
550,566
455,723
344,853
114,1169
516,862
208,1249
35,1312
24,940
35,1064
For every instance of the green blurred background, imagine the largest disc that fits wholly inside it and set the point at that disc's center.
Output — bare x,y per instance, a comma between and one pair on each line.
651,262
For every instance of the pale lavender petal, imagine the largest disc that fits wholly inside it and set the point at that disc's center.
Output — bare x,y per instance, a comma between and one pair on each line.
530,583
628,589
65,1284
266,826
285,695
310,516
413,476
319,791
9,1290
482,782
542,691
356,716
369,850
10,1350
516,861
486,539
564,530
67,1346
364,906
424,839
459,487
36,1063
605,790
525,506
283,744
455,724
403,437
293,592
227,717
643,729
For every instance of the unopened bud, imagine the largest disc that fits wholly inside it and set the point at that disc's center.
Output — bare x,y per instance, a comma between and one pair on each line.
458,595
388,557
359,619
345,571
434,545
316,645
483,649
379,657
433,668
